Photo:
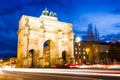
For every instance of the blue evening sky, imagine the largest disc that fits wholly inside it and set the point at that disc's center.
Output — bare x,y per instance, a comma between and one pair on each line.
104,14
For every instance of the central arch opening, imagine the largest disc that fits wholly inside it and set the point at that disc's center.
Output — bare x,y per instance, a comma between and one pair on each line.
49,53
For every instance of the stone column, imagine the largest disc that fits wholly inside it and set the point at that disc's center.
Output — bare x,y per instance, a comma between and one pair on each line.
41,46
40,54
25,45
60,51
41,43
60,46
41,51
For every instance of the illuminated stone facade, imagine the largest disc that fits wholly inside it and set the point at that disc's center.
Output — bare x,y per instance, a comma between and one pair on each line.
33,35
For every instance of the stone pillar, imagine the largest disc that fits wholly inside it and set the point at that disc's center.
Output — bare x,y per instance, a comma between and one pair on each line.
40,54
41,51
26,43
60,46
41,43
60,51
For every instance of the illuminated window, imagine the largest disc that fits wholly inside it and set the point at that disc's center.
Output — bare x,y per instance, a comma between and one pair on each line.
79,52
75,52
79,44
83,52
84,57
75,48
83,49
107,51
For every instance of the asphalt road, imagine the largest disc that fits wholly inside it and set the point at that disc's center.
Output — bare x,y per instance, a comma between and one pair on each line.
14,75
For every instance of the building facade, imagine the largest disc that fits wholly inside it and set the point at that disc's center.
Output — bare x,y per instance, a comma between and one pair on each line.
80,53
87,52
44,41
104,50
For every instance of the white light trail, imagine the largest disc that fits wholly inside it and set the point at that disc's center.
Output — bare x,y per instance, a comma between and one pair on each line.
69,71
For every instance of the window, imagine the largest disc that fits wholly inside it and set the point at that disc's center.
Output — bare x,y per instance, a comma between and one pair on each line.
84,53
75,52
84,57
75,48
83,49
79,44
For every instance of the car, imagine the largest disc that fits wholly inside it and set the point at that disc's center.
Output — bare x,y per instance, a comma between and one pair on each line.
72,65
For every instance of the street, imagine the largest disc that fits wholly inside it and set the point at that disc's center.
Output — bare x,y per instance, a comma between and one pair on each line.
59,74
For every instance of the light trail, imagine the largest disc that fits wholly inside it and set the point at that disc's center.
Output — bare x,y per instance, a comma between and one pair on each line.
1,71
68,71
97,66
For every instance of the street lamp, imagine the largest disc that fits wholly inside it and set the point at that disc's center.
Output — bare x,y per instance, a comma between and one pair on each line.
87,50
77,40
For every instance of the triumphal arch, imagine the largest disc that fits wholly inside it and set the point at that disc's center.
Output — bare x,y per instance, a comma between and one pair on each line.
44,41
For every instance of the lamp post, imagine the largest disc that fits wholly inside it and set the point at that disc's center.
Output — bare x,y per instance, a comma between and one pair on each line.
77,40
87,50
